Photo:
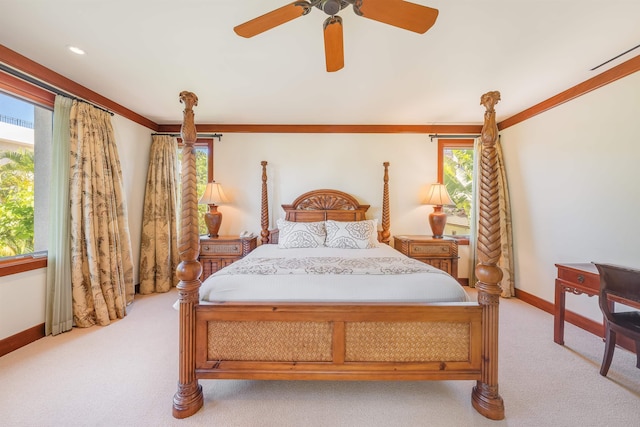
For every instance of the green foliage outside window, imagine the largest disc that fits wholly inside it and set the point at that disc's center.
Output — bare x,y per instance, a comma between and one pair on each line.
202,171
16,202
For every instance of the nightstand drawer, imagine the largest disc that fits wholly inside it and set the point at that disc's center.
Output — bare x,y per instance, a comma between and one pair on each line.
221,249
430,249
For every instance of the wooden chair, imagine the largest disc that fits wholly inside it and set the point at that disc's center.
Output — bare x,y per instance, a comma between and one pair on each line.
616,284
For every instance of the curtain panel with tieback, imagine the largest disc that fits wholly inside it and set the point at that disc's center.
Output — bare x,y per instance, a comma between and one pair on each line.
506,235
58,308
101,260
159,255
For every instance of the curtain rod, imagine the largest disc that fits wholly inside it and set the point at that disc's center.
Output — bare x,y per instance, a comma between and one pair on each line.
432,136
203,135
45,86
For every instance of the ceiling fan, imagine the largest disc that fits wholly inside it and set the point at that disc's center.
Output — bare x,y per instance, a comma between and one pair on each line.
399,13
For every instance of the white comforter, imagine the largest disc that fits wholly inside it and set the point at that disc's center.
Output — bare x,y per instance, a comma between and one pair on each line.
269,273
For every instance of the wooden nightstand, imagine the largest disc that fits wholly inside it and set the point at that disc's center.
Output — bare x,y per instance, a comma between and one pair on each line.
440,253
218,252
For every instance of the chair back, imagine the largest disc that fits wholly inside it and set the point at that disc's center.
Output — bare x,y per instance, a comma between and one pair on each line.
617,281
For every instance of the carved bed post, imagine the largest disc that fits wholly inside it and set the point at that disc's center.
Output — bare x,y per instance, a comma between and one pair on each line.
188,399
485,396
264,207
386,234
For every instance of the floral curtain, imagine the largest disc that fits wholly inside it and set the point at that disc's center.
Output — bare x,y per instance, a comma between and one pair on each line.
506,235
101,261
159,255
58,309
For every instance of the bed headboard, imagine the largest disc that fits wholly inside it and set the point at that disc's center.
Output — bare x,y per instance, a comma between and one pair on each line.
322,205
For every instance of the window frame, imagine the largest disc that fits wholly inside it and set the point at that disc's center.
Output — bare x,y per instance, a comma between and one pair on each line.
204,142
22,263
29,92
443,144
208,143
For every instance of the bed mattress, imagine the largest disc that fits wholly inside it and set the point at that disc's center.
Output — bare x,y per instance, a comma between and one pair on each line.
381,274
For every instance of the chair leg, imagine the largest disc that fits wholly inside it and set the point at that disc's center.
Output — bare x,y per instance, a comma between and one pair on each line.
638,354
610,345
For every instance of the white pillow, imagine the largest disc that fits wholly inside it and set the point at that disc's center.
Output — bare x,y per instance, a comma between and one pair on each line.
352,234
300,234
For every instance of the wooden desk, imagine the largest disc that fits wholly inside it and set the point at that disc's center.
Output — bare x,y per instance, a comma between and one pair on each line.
580,278
583,278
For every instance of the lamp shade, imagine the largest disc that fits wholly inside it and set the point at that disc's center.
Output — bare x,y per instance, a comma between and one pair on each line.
438,195
213,194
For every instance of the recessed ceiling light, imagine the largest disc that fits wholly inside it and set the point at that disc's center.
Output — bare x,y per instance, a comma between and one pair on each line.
76,50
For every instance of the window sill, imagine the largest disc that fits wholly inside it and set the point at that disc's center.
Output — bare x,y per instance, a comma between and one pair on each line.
19,265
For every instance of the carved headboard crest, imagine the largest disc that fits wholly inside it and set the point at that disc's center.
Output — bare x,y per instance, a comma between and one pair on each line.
325,200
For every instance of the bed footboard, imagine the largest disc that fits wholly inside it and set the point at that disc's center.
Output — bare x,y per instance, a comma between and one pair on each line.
339,342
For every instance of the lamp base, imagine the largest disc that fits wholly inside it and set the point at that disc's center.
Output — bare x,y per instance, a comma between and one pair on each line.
437,221
213,219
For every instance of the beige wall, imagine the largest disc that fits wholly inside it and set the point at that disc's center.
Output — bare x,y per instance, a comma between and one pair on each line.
303,162
298,163
133,142
573,179
22,301
22,296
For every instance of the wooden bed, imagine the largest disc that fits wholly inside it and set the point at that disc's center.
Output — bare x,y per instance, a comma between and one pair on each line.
342,341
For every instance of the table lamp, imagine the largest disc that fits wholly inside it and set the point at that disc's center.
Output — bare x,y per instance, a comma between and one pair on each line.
213,196
437,196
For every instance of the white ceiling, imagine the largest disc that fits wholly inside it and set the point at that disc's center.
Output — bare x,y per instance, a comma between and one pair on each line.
142,53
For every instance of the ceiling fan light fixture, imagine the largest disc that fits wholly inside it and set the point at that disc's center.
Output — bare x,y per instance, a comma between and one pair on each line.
331,7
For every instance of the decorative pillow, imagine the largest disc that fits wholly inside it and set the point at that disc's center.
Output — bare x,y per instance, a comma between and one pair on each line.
353,234
301,234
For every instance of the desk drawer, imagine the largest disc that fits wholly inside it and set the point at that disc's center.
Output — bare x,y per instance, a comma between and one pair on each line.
580,278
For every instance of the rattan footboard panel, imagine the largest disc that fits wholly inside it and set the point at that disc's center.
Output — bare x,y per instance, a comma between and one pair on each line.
270,341
407,342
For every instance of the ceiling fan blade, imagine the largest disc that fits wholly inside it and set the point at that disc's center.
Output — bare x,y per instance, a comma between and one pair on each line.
273,19
401,14
333,43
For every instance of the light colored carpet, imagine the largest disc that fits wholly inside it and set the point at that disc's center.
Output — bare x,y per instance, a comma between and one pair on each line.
125,374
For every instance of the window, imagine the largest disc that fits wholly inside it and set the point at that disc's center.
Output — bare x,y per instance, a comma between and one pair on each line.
455,171
204,173
25,145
